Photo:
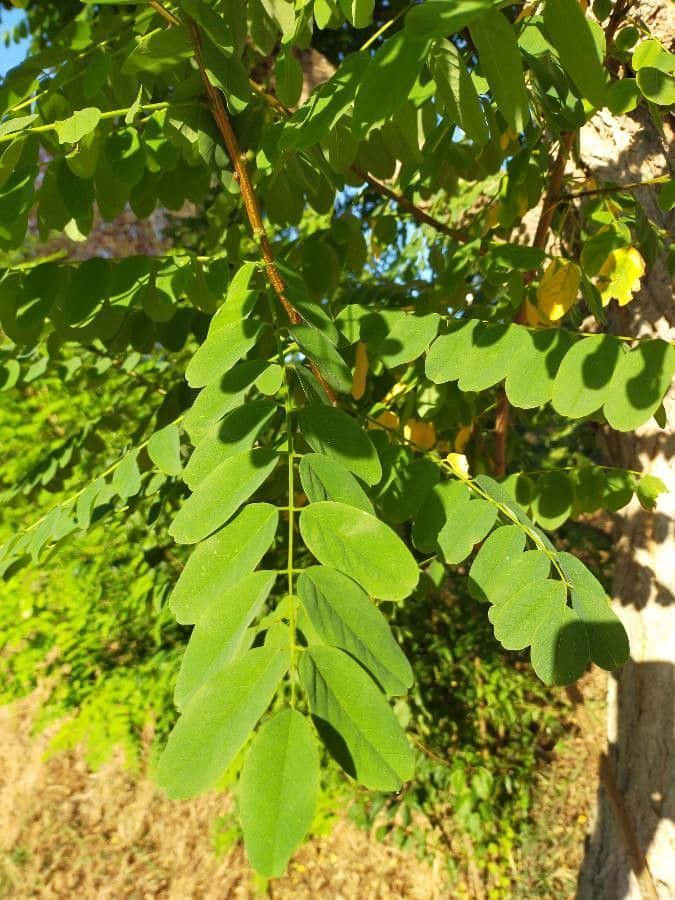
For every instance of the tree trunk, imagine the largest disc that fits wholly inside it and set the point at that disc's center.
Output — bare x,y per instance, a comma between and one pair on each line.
631,853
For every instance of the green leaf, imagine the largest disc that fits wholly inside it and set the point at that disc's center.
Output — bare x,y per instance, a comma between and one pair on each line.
219,633
233,435
220,562
606,636
81,123
656,86
552,504
361,546
452,521
568,30
649,489
222,348
501,63
448,354
344,616
126,480
221,494
584,378
530,376
223,394
213,24
397,337
405,484
278,791
336,434
354,720
217,721
321,351
358,12
288,76
164,450
457,92
560,651
398,61
443,17
639,383
323,478
497,554
518,617
158,51
652,54
491,355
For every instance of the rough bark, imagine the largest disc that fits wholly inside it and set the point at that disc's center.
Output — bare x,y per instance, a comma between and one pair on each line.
631,852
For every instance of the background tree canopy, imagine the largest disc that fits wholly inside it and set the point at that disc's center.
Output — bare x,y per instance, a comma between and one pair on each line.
361,335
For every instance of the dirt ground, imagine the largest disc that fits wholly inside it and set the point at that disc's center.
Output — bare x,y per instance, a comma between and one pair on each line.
66,831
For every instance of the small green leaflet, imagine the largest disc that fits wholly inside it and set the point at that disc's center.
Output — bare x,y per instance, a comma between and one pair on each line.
288,76
649,489
224,393
639,382
362,547
278,791
324,479
517,619
336,434
500,60
552,504
164,450
364,737
568,30
81,123
504,545
219,633
398,61
457,92
222,348
233,435
223,560
325,356
217,721
126,480
607,638
583,382
530,376
221,494
450,519
397,337
559,652
344,616
443,17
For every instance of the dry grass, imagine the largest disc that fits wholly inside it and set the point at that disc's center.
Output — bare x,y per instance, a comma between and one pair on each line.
68,832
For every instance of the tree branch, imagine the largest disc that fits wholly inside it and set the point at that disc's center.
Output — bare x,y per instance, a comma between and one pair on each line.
248,196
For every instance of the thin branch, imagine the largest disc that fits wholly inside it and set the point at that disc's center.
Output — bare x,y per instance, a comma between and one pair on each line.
169,16
248,196
418,214
616,189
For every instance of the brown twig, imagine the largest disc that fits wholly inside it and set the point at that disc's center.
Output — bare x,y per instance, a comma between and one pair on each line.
164,12
418,214
249,198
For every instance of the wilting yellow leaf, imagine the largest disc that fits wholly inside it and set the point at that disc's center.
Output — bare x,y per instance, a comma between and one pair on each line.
360,371
458,463
620,274
421,434
533,316
558,288
462,437
398,388
387,420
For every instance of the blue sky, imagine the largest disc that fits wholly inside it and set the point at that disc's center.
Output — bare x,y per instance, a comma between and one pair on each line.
10,56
